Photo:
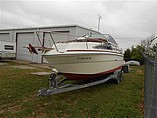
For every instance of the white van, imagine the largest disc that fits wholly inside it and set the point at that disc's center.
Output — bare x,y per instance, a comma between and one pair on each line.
7,50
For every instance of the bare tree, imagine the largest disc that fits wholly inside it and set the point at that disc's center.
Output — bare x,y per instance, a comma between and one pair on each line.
149,45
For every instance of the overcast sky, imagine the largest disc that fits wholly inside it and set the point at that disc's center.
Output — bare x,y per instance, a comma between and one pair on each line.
127,21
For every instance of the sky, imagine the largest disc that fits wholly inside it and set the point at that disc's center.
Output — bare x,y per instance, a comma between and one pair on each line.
128,22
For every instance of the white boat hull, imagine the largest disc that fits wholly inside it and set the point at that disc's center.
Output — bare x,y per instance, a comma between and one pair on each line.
77,65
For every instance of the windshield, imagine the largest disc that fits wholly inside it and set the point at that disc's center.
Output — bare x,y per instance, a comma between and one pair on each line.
96,35
110,38
103,36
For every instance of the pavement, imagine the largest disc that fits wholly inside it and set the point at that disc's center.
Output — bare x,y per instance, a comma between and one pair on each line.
41,73
4,63
23,67
33,64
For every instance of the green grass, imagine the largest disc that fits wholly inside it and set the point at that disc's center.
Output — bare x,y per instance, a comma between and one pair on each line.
18,97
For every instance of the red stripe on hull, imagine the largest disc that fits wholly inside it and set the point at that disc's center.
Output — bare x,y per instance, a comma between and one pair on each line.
88,76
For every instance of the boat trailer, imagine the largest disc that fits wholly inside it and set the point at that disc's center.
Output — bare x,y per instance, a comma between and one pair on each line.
57,83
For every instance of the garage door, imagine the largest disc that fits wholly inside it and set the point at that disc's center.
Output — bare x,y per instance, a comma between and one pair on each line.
4,37
23,39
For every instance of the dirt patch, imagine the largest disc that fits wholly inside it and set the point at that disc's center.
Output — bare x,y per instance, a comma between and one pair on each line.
30,98
141,106
14,109
139,71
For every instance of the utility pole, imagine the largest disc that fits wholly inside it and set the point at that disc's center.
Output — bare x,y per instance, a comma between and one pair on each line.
99,22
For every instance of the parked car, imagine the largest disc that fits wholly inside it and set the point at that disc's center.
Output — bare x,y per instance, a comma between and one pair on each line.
132,63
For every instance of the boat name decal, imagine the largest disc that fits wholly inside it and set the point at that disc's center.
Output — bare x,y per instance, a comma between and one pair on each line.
84,58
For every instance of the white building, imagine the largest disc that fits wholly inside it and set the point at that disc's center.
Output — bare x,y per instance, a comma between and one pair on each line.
25,36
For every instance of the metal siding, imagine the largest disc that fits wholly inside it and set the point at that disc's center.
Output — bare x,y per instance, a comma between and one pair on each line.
58,36
5,37
82,31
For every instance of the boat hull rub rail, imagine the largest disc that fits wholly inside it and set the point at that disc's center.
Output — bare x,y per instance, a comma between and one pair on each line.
54,85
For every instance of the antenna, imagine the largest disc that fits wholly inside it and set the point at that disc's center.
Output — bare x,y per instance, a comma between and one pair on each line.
99,22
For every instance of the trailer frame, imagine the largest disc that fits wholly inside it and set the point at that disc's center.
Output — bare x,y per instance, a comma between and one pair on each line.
57,85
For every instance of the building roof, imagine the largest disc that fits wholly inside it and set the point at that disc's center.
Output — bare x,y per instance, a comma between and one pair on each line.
47,27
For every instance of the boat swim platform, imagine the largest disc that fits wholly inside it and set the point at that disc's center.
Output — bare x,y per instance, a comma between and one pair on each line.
56,86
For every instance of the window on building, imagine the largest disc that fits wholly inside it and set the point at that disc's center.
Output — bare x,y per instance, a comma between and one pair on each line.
8,47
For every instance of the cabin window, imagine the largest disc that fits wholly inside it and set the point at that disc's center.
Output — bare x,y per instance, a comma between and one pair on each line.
8,47
103,47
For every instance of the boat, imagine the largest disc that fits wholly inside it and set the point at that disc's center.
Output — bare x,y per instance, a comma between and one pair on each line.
87,57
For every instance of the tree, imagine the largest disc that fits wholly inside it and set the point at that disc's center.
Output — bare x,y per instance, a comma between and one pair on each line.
127,54
149,46
136,54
